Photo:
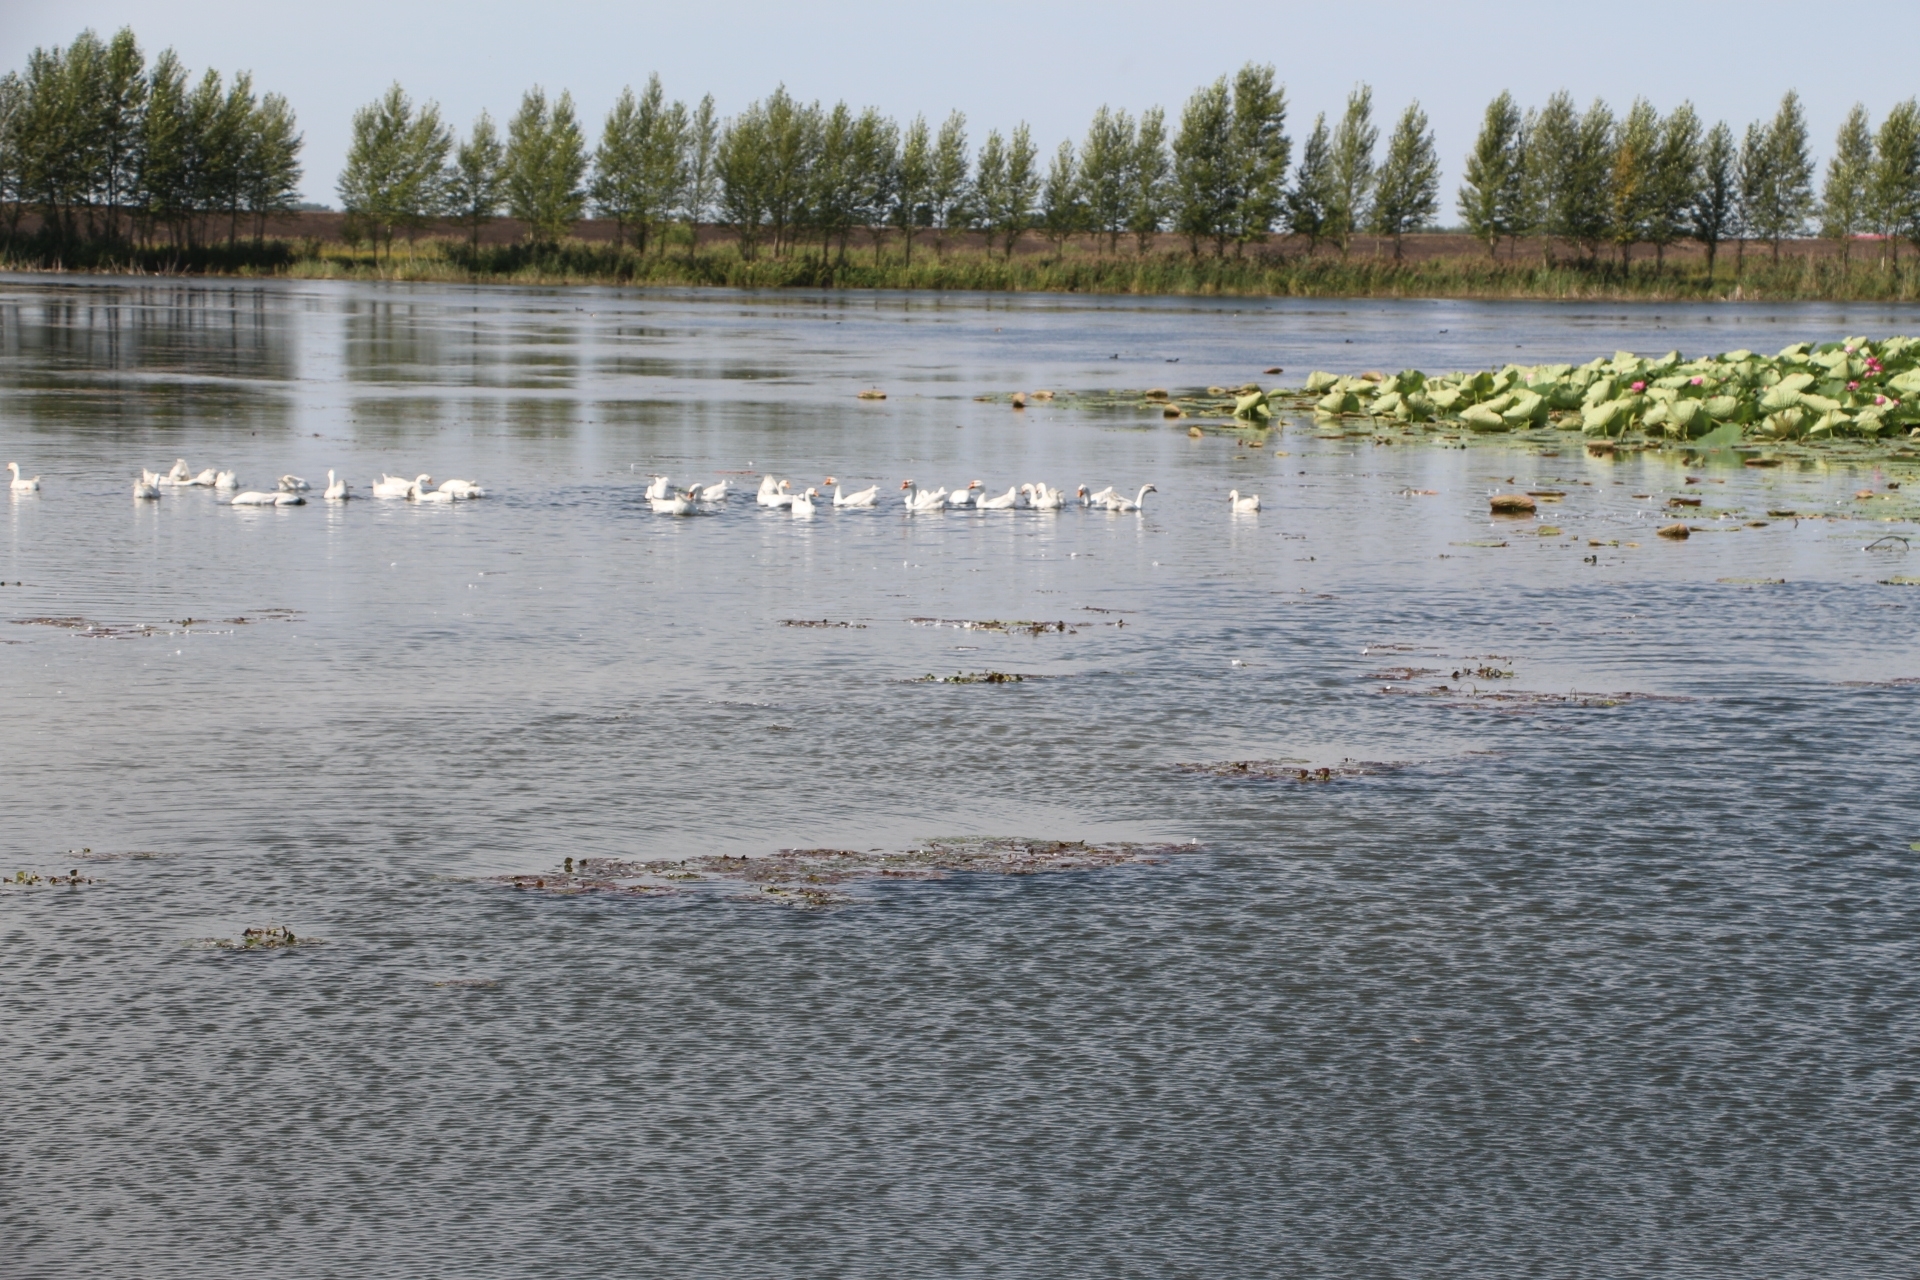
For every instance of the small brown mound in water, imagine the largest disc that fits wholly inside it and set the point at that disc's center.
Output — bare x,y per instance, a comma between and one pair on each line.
1511,504
801,877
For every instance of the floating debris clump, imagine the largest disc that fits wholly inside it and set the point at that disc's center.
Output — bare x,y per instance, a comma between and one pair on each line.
822,622
1292,770
272,937
995,624
975,677
33,880
805,878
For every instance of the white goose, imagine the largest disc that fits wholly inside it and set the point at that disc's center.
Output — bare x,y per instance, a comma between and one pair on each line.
802,504
293,484
205,479
151,477
226,482
965,497
1242,506
771,492
1041,498
919,501
254,498
462,489
144,487
337,490
716,492
398,486
864,498
178,474
28,484
674,504
1119,505
658,487
441,496
1005,502
1099,499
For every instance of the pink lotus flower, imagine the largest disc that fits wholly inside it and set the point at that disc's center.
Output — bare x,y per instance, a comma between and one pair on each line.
1848,350
1882,400
1853,386
1639,386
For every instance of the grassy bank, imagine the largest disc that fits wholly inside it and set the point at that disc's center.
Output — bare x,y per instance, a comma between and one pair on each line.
1269,274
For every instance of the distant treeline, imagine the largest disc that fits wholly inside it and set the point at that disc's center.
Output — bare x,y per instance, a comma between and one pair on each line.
111,151
108,150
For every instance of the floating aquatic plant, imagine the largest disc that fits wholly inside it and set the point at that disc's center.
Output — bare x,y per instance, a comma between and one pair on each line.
805,878
271,937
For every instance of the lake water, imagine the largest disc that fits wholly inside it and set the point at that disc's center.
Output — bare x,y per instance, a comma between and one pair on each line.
1580,986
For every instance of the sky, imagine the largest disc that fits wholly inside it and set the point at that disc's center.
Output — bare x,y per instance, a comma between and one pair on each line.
1049,64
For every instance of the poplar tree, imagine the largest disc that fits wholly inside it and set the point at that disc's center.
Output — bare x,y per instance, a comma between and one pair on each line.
1407,191
743,162
617,164
545,166
1491,168
916,182
473,185
947,188
1676,180
1203,168
1845,196
1308,197
1022,188
1104,164
1553,136
1585,180
1259,154
1149,179
395,164
1061,207
703,170
1350,169
988,203
874,174
1714,213
639,167
1633,183
1756,174
1786,195
1894,187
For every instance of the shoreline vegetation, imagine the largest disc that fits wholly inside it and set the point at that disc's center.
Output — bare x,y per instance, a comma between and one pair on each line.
109,162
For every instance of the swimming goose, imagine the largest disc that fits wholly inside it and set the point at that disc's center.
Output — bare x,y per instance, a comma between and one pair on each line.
293,484
715,492
1119,505
964,497
30,484
144,487
1005,502
204,480
178,474
918,501
337,490
658,487
399,486
254,498
865,498
462,489
1041,498
1099,499
150,477
673,504
1242,506
802,504
433,495
770,492
226,482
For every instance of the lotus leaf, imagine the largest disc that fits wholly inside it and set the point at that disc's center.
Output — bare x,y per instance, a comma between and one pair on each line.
1446,398
1253,405
1656,414
1335,403
1482,417
1907,383
1318,383
1785,424
1832,422
1687,419
1819,404
1392,404
1608,418
1796,352
1599,391
1527,408
1722,407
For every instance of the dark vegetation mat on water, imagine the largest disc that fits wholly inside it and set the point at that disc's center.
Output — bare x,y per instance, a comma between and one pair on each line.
270,937
1293,770
811,877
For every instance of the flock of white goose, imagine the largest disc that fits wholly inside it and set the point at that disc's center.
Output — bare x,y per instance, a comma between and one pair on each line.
290,490
669,501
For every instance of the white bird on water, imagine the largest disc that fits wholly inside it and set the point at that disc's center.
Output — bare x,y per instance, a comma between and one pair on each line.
1005,502
1041,498
462,489
1243,506
675,504
715,492
864,498
1119,505
399,486
293,484
657,487
144,487
178,474
205,480
965,497
337,490
254,498
226,482
28,484
919,501
802,503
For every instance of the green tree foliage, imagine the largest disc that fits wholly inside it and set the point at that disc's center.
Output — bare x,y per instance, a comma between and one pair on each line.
106,150
873,177
545,166
948,191
1063,210
1350,169
703,169
475,187
1676,180
1893,189
396,165
1755,173
1633,183
1260,153
1005,183
1713,212
1308,197
1785,182
1845,197
1105,162
912,210
1203,172
1149,178
1407,191
744,163
1493,166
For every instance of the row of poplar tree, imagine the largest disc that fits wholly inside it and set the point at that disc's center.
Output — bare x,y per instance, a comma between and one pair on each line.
111,150
1590,179
785,174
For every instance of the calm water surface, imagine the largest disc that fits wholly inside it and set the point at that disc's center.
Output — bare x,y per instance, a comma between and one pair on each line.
1582,989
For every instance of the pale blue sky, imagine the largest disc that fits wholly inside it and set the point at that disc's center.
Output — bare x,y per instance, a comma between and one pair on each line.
1049,64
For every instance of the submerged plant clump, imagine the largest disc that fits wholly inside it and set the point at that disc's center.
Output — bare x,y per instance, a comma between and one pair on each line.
807,878
33,880
271,937
976,677
1292,770
1005,627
